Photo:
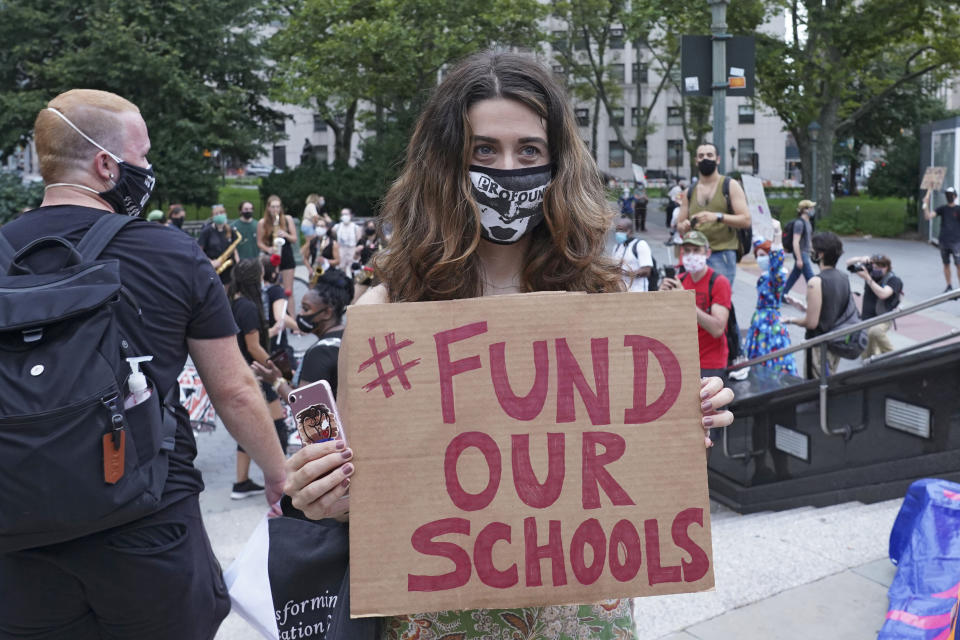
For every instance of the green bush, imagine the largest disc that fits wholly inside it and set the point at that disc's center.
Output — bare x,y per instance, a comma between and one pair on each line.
16,196
882,217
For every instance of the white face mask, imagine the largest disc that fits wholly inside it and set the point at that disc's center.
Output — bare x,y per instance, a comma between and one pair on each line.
763,262
694,262
345,218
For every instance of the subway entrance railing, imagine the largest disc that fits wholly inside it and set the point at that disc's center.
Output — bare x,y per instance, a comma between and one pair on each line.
862,434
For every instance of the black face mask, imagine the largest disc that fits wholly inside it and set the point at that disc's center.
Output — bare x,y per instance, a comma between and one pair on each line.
131,189
876,274
816,258
308,323
370,232
706,167
177,222
246,215
950,198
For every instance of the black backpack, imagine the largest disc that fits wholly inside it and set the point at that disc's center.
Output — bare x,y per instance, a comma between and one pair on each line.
653,280
72,460
730,333
744,236
788,234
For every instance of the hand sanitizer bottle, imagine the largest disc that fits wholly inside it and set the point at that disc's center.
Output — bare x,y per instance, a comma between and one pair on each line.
137,383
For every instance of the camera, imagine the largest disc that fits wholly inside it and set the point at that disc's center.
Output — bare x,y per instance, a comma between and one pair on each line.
859,266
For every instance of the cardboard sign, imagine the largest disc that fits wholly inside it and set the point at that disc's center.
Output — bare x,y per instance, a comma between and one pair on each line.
524,450
760,219
933,178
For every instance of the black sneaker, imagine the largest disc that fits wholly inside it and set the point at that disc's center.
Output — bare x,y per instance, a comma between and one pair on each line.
948,289
245,489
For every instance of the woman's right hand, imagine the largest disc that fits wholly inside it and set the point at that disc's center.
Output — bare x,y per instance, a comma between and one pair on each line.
318,476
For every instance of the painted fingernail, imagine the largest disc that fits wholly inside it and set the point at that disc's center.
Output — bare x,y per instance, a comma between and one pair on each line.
347,469
706,406
346,455
707,421
345,483
340,444
704,394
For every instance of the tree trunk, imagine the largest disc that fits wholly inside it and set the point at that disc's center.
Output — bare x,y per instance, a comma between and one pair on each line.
593,127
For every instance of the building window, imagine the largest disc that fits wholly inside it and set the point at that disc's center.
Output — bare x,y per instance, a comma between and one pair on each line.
674,115
558,40
640,72
580,43
745,152
320,153
616,155
745,114
583,117
674,153
559,72
616,116
280,125
319,124
280,156
616,72
616,38
634,116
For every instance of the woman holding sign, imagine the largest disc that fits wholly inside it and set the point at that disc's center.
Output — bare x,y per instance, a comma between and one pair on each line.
498,196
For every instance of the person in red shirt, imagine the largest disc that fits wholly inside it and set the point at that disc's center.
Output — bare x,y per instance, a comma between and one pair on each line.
713,302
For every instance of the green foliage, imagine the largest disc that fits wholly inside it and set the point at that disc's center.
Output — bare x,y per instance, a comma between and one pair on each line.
193,68
337,56
16,196
881,217
899,174
851,67
359,188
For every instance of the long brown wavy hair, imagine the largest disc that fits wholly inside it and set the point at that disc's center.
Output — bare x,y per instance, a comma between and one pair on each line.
436,222
268,219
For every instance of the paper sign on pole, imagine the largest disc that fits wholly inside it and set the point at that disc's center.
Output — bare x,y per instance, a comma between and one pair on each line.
524,450
933,178
761,220
639,176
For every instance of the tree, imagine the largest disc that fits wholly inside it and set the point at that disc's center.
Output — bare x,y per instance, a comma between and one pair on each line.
843,60
654,34
193,68
377,59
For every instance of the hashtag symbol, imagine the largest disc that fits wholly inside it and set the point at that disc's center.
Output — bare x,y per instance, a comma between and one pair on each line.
399,370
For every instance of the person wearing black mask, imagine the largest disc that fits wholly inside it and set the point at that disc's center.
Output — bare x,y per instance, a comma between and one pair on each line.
881,293
321,314
246,226
705,208
949,232
175,216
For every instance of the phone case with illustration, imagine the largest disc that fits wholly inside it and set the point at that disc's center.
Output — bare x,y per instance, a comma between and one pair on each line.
315,412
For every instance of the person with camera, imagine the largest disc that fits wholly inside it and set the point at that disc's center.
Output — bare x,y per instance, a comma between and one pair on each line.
881,293
713,302
949,232
827,295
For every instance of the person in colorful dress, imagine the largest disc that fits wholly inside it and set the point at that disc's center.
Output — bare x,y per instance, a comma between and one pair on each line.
498,115
767,332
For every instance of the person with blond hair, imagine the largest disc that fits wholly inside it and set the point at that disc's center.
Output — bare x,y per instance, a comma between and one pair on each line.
274,226
152,575
499,125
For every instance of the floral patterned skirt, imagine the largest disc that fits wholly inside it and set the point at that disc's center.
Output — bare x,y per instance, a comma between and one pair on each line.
611,620
766,334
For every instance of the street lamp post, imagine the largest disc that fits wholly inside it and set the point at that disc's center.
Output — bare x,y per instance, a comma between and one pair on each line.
813,130
718,29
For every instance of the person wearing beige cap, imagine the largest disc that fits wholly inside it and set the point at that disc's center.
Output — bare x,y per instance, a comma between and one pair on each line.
802,232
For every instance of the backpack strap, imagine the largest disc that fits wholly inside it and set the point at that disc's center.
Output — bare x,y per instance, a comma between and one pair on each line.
100,234
7,252
725,188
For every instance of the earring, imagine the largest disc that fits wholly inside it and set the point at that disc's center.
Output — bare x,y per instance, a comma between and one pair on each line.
111,176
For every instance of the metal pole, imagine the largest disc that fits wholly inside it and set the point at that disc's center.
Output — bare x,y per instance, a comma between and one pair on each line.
813,129
718,10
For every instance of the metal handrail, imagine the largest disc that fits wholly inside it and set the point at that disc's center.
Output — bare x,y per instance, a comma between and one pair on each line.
821,341
839,333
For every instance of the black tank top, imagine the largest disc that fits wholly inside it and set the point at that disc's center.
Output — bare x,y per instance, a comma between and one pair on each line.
835,293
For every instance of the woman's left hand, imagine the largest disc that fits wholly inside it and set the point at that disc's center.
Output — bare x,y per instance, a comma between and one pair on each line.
714,397
269,374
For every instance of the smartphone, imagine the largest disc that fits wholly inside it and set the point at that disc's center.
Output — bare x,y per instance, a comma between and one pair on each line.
315,413
669,272
281,358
